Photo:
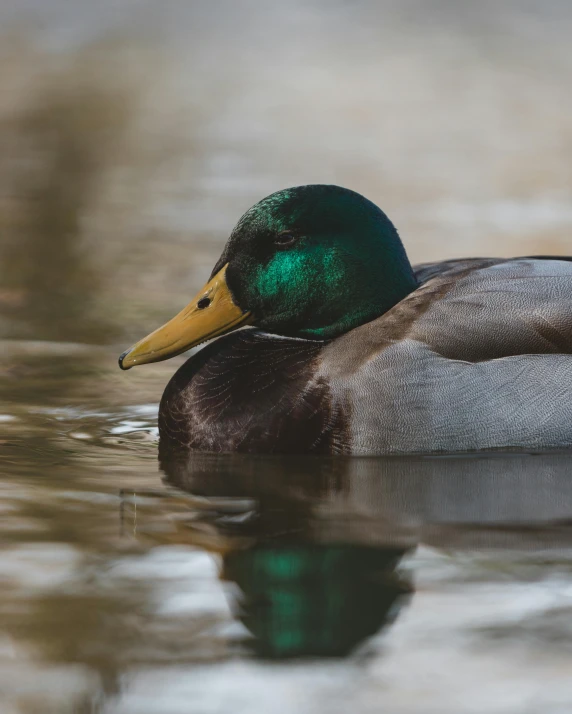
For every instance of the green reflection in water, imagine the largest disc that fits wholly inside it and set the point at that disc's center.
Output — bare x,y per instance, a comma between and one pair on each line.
308,585
314,600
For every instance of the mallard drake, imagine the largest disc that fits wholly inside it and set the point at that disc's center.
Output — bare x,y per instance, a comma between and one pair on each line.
351,350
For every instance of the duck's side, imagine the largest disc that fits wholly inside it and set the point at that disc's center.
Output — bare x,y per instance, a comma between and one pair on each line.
478,357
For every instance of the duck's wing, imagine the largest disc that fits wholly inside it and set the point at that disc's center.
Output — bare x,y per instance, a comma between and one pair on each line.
475,310
478,357
427,271
488,309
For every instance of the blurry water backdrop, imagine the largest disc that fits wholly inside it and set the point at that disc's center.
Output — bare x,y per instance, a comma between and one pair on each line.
133,135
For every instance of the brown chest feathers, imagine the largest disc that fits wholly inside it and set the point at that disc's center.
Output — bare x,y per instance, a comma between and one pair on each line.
252,392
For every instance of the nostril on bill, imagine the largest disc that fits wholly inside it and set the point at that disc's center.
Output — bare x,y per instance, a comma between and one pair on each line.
203,303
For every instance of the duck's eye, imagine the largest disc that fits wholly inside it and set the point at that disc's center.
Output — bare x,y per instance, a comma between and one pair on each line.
203,302
285,239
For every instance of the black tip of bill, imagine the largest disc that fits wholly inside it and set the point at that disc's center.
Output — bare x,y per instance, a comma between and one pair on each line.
121,358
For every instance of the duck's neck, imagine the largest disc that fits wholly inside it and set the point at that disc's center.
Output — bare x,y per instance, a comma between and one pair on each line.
369,295
364,310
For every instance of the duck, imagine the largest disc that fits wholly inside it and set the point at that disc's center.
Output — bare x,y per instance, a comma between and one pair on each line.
322,338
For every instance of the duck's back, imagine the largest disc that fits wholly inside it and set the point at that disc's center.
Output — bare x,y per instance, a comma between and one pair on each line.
479,357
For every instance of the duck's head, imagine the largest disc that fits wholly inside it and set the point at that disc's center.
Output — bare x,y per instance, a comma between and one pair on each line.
311,262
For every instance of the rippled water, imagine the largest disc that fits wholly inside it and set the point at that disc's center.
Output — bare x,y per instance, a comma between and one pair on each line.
218,584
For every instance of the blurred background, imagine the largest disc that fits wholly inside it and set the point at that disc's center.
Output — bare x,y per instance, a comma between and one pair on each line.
133,135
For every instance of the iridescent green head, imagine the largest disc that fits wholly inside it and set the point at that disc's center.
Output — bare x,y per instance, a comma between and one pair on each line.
312,262
315,261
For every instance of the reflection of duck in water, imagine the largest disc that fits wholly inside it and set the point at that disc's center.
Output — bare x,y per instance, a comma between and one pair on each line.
356,352
307,587
314,543
304,599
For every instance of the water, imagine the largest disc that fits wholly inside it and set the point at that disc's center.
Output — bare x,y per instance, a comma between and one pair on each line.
256,584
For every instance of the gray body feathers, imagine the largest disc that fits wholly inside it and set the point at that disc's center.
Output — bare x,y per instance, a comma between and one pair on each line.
479,357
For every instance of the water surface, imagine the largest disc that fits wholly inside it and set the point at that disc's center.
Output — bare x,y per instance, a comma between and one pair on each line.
256,584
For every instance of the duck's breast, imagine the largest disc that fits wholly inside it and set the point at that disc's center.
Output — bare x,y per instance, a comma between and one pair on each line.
252,392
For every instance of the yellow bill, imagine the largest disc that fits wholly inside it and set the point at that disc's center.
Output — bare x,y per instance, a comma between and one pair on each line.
212,312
